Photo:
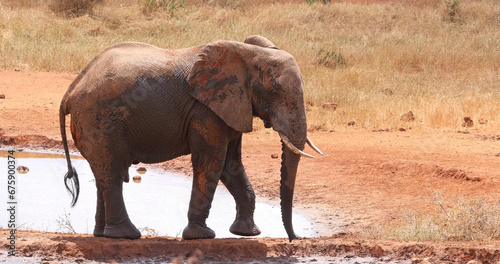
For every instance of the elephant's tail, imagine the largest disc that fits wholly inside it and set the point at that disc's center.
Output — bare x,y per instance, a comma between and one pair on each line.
71,178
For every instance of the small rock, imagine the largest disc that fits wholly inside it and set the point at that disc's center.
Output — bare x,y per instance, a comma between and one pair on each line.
381,130
408,117
351,123
22,169
330,106
377,251
137,179
483,121
274,156
2,96
402,129
468,122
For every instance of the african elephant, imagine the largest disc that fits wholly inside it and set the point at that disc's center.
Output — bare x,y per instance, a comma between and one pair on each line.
139,103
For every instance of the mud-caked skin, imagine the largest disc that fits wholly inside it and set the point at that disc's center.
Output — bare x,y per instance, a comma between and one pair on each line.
138,103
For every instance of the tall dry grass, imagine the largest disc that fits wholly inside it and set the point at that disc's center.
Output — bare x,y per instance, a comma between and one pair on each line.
375,61
464,219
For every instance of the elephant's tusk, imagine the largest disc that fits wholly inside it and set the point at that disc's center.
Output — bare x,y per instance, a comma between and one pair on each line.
309,142
294,149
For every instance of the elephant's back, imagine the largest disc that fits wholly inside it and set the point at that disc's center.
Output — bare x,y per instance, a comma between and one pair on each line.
142,93
118,69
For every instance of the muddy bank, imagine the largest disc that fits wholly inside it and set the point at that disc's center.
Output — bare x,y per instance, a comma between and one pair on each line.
58,246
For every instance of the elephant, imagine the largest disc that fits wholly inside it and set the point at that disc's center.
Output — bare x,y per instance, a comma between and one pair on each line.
135,102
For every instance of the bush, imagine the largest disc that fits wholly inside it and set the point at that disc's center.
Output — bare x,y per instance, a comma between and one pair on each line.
72,8
318,1
331,59
150,6
453,10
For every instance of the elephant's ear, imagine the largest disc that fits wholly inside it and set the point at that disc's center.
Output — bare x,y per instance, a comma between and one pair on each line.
260,41
218,79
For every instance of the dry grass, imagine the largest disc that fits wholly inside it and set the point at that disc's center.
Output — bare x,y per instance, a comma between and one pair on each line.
396,56
464,219
72,8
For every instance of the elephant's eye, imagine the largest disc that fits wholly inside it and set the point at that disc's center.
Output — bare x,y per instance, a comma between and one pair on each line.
274,96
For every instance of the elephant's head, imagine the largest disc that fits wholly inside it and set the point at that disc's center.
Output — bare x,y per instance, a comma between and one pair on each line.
238,81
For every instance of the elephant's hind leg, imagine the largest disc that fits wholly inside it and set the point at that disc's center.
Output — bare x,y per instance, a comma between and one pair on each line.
236,181
111,215
100,220
118,224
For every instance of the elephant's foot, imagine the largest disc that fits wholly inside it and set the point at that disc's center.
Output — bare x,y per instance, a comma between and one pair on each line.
123,230
197,231
99,230
244,228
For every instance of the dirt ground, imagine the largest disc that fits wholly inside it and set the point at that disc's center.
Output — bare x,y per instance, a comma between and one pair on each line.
365,179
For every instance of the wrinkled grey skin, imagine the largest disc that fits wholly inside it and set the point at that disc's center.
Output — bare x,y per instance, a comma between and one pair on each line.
138,103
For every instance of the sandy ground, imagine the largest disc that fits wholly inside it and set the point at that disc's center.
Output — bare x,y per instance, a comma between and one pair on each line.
366,179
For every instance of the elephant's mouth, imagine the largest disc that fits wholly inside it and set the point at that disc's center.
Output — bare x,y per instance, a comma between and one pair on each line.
297,151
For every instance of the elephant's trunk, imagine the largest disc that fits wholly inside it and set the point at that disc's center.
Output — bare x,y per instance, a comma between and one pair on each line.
289,164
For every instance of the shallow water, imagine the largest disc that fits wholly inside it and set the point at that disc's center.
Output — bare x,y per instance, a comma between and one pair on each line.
158,204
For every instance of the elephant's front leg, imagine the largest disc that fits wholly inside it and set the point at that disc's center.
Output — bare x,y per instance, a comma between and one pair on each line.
236,181
207,172
208,144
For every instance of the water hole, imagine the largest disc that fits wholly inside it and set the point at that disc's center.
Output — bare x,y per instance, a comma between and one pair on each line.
157,204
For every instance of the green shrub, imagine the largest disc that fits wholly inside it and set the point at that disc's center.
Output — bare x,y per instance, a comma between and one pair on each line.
453,10
331,59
